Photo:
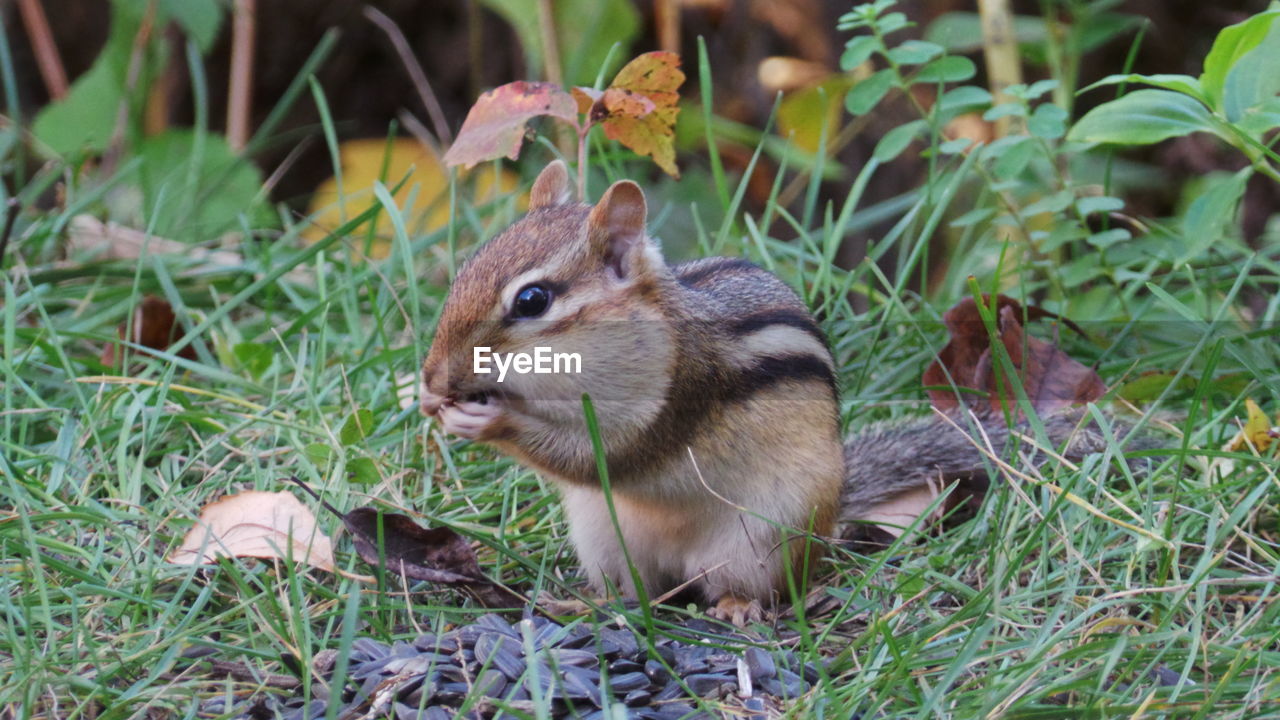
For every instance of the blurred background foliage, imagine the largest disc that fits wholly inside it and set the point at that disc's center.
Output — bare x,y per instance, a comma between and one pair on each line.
142,75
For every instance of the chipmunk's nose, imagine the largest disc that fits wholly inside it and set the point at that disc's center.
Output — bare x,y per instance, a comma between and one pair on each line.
435,388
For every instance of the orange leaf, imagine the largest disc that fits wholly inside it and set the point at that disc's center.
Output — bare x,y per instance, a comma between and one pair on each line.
495,126
639,109
256,524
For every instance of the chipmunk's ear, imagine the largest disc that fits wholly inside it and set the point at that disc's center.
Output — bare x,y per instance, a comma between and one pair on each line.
615,230
551,188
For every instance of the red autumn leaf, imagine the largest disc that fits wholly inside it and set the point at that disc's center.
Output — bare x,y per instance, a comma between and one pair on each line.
1050,378
153,325
495,126
639,109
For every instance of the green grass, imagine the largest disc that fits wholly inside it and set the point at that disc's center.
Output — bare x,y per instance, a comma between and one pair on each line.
1040,606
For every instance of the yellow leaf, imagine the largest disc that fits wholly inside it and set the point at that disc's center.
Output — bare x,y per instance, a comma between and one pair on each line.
803,113
423,199
1257,430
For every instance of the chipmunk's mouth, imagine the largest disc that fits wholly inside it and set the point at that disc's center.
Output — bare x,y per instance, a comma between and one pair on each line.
471,415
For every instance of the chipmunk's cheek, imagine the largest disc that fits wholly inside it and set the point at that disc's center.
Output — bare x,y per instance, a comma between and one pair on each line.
470,420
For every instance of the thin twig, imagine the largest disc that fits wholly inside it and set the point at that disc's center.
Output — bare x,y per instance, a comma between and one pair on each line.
550,48
416,74
1000,51
47,58
240,88
666,16
10,217
115,146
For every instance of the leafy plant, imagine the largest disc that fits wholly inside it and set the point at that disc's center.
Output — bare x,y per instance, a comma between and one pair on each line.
638,109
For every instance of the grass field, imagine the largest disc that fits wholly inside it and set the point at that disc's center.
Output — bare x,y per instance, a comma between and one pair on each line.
1082,591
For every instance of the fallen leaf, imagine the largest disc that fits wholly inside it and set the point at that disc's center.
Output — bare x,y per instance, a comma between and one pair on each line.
1050,378
806,113
256,524
110,241
1257,432
625,113
896,515
495,125
437,555
153,325
422,199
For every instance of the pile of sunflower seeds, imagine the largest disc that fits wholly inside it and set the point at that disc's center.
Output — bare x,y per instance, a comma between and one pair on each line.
575,671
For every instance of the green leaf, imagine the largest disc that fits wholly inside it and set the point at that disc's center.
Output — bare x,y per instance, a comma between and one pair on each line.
892,22
1016,109
195,187
1048,121
1261,118
897,140
318,453
86,118
867,94
200,19
1107,238
1099,204
1233,43
1207,216
586,30
857,51
253,357
953,68
362,471
1054,203
965,97
959,145
1255,77
1184,84
1012,159
357,427
1143,117
1039,87
1061,234
914,52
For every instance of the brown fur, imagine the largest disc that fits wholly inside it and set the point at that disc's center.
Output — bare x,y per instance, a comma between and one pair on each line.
714,449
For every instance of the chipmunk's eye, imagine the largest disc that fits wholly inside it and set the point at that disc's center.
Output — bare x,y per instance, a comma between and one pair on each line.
531,301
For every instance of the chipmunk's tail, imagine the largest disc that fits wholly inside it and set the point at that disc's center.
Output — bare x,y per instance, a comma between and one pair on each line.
886,460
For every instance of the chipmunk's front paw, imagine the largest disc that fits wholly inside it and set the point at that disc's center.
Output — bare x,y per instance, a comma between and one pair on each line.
737,610
469,418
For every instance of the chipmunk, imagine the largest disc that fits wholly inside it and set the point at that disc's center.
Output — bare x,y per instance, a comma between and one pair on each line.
715,392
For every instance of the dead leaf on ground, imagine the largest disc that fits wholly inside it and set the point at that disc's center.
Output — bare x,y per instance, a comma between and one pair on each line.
256,524
896,515
110,241
438,555
367,161
153,325
639,108
1051,379
1258,433
495,125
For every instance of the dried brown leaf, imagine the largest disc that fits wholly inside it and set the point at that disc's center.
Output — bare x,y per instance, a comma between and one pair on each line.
495,125
1050,378
153,325
437,555
256,524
